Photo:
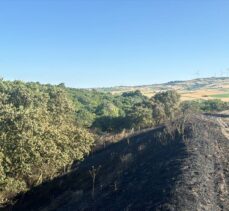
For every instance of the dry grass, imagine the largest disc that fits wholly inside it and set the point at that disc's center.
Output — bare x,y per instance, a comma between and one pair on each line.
189,90
203,94
191,95
194,95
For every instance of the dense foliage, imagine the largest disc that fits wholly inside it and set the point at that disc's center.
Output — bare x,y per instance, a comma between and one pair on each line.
39,135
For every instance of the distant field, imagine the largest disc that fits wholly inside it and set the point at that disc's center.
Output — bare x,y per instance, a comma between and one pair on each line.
202,88
226,95
206,94
198,94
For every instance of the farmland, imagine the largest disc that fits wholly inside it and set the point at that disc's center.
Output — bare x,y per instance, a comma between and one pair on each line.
203,88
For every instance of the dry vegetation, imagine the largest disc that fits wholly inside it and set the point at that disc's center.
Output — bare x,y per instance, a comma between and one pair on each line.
206,88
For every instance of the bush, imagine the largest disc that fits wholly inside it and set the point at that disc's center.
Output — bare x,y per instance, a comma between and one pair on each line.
165,105
204,106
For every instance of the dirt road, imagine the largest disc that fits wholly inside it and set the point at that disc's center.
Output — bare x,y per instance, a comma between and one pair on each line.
222,162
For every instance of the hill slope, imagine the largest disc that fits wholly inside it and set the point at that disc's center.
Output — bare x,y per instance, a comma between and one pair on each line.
204,88
150,171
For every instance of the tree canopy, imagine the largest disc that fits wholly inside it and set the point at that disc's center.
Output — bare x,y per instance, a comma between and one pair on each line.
39,135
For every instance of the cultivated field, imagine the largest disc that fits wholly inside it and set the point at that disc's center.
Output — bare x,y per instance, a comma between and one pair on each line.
203,88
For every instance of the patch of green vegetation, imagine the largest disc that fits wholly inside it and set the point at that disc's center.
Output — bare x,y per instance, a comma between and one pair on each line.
225,95
215,105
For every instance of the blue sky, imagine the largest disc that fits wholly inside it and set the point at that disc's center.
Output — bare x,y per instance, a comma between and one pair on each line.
96,43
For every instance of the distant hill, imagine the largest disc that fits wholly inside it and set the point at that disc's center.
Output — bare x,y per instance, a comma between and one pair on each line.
200,88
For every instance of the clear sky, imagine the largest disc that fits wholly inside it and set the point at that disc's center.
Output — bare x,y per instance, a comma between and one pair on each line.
96,43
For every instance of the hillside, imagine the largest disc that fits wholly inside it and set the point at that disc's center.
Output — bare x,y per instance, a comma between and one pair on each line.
159,169
201,88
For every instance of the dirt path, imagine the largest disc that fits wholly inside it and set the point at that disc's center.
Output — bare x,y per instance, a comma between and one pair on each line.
224,127
222,164
221,184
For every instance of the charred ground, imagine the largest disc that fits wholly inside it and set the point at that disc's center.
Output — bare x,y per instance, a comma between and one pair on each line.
176,167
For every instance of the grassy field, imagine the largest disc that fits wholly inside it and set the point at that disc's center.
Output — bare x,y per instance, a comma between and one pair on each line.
220,96
206,94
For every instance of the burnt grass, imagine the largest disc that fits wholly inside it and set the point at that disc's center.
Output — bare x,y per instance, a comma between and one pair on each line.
149,171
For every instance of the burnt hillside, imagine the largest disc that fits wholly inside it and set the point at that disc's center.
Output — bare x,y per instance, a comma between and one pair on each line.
155,170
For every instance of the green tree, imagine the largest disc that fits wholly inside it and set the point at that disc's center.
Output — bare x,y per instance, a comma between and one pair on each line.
107,109
165,105
140,117
85,118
